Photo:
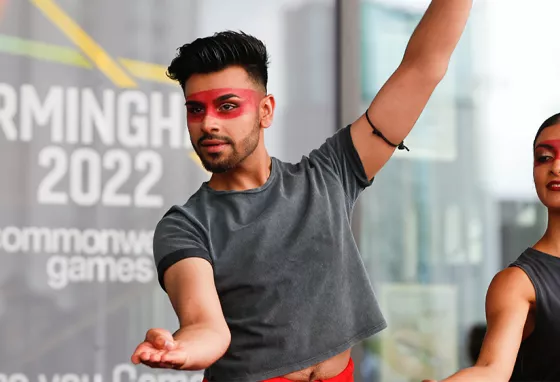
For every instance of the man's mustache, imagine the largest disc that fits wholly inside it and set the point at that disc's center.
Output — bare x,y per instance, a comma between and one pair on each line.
214,137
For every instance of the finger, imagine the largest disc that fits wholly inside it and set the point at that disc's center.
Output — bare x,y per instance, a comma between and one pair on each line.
163,365
154,333
160,338
159,365
143,347
135,358
147,356
151,364
155,357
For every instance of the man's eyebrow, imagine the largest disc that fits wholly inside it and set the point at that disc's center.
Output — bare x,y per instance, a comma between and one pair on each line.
226,97
221,98
193,103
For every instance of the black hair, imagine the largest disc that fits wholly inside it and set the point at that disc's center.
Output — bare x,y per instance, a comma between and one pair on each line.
220,51
554,120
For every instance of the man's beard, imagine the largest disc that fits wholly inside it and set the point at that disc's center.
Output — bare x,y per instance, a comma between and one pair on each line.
218,163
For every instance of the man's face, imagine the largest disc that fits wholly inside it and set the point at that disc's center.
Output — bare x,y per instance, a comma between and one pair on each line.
225,113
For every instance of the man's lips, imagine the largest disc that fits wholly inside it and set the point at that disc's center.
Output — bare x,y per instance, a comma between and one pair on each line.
213,145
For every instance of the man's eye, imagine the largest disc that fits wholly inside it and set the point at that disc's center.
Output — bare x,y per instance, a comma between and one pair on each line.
227,107
194,110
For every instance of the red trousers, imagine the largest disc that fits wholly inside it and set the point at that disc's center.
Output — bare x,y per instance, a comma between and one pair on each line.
347,375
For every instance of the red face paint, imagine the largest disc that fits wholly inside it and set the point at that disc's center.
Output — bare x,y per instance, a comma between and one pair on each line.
547,151
224,103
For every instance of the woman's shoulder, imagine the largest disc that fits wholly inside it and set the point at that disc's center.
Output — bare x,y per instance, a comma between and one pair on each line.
512,283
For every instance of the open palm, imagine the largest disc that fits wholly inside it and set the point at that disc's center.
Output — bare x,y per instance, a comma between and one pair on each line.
160,350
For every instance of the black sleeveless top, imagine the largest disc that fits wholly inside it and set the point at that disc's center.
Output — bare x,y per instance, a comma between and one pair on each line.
539,355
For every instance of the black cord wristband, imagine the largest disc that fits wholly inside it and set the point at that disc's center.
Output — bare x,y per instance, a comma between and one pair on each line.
400,146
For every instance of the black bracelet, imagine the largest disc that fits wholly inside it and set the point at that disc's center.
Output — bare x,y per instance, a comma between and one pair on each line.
400,146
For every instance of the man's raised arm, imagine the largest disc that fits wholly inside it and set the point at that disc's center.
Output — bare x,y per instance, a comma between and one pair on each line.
399,103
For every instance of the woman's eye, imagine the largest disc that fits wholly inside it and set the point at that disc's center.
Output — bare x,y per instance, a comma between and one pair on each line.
543,158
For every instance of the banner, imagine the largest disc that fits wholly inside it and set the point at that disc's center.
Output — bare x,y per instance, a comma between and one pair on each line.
94,149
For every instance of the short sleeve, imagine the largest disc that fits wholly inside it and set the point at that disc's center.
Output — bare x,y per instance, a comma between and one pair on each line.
176,238
339,156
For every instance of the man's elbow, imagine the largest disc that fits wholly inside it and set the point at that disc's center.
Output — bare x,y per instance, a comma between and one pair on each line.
221,342
431,70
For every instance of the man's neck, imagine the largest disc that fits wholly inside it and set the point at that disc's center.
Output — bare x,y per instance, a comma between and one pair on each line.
252,173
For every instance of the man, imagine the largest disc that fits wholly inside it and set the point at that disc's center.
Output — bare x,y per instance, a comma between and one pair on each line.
260,264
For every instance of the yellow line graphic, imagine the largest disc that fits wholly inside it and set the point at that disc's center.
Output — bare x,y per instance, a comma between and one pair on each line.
43,51
79,37
70,56
146,70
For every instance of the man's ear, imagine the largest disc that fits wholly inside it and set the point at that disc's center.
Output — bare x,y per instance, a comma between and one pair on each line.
268,104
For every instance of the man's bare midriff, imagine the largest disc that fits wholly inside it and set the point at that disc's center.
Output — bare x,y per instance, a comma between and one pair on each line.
324,370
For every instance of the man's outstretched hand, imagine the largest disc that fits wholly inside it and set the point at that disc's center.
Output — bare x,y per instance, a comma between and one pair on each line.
161,350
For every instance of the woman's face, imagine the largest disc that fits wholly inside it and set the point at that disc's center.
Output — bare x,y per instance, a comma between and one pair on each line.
546,170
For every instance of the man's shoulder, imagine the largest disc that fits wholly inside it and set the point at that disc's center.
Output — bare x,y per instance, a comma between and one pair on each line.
299,171
188,211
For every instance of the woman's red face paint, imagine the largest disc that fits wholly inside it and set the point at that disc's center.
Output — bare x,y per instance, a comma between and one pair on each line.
546,152
225,103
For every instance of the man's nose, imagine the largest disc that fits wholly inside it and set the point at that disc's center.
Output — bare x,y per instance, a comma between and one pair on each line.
210,124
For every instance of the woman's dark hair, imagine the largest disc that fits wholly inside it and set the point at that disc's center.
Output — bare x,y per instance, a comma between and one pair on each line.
220,51
554,120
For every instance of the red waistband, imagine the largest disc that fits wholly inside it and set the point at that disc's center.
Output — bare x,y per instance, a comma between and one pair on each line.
347,375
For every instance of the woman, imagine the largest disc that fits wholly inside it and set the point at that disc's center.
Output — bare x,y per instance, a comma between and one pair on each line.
522,342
